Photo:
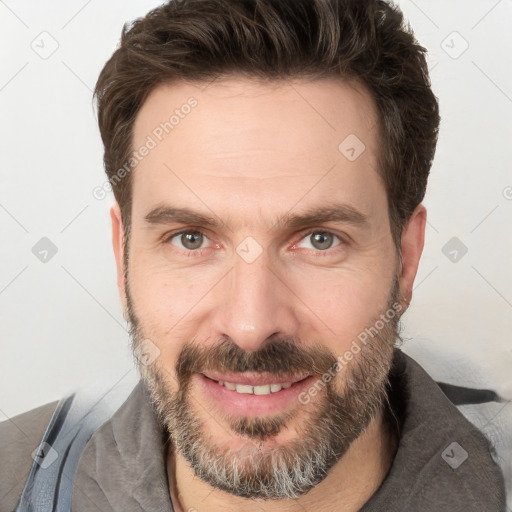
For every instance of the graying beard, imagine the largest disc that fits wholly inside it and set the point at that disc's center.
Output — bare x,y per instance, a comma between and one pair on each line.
285,472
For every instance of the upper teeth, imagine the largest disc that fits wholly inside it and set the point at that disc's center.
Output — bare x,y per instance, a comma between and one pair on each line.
266,389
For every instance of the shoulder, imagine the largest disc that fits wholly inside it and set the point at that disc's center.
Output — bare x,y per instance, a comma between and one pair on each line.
443,460
19,437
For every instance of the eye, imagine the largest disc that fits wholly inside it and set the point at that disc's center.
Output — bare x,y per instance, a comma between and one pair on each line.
320,240
189,240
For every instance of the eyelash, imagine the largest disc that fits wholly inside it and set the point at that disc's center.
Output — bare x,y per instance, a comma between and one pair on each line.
199,252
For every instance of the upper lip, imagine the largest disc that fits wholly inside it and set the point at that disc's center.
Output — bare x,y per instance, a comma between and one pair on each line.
254,379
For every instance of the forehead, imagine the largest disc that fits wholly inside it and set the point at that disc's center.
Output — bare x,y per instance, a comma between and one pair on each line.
241,144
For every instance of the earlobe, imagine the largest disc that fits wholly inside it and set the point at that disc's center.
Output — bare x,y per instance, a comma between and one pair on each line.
413,239
118,246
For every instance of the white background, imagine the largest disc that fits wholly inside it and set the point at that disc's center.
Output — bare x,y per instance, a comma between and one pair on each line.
61,321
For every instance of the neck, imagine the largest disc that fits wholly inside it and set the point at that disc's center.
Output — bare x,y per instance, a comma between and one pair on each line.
347,487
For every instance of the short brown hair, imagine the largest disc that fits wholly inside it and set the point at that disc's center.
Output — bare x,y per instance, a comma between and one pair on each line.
201,40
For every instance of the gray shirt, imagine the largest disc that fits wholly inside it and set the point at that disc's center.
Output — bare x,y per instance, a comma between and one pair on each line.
123,467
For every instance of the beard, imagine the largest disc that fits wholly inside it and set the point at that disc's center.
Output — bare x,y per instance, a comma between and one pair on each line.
326,428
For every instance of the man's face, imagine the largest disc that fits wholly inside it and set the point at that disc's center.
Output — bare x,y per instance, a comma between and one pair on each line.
255,299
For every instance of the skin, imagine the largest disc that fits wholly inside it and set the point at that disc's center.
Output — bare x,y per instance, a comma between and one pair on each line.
248,154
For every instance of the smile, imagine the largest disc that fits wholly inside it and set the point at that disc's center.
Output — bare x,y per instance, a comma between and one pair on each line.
253,394
264,389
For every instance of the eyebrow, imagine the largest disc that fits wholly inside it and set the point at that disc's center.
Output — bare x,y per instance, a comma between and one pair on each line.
316,215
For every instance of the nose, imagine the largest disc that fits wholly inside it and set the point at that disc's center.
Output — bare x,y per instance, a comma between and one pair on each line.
255,305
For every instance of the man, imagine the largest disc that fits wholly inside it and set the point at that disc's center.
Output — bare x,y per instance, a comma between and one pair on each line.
268,160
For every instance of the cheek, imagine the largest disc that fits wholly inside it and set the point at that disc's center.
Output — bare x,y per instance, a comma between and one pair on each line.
345,304
156,299
163,295
170,305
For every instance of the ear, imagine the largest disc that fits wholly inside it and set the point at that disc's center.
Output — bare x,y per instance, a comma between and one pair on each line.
413,238
119,246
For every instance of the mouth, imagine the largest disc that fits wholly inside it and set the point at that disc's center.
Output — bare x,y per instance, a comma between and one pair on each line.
253,394
255,384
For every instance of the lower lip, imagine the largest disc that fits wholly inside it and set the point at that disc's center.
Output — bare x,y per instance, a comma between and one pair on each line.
249,404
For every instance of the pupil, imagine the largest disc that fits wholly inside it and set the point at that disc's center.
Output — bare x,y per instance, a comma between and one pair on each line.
322,240
191,240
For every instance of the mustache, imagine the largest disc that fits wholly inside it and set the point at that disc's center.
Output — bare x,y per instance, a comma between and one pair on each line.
279,357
